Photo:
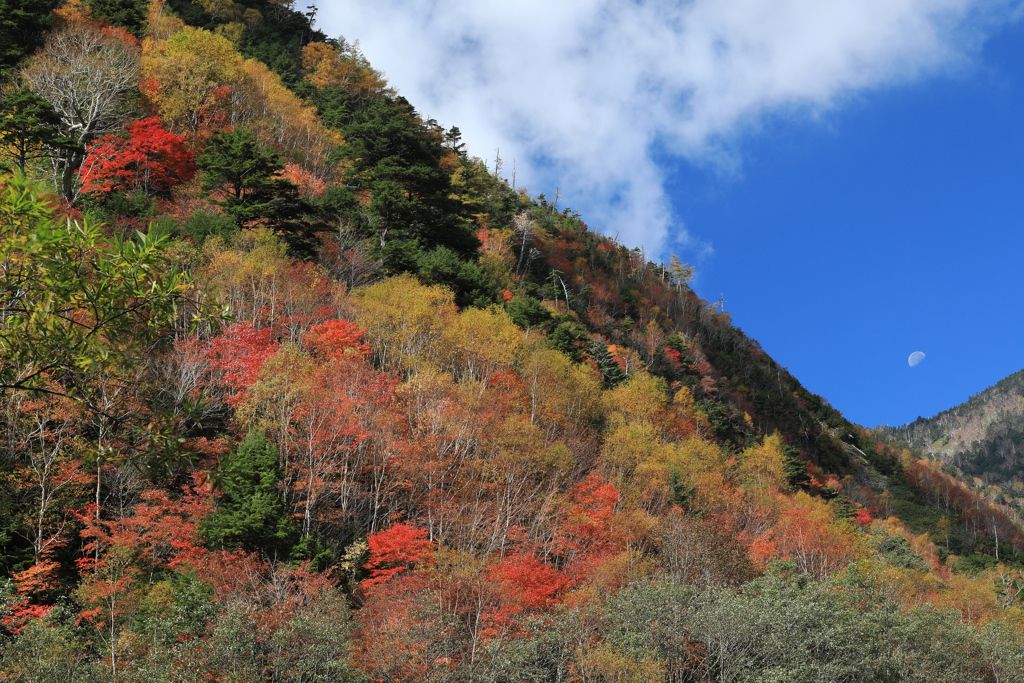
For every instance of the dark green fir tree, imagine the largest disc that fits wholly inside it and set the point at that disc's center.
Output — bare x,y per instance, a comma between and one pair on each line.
29,129
129,14
611,370
23,24
250,513
244,177
397,160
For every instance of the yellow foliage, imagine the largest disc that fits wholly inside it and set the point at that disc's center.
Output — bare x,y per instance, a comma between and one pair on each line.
974,598
685,406
602,662
699,465
636,460
414,326
70,12
560,392
425,393
496,265
248,278
270,403
234,31
639,399
251,18
694,457
819,509
221,9
640,530
684,401
764,465
327,67
471,183
515,461
159,24
406,322
627,446
184,75
558,459
481,342
159,601
196,80
515,436
274,113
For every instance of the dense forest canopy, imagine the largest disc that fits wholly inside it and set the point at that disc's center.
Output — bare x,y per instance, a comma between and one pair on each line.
296,389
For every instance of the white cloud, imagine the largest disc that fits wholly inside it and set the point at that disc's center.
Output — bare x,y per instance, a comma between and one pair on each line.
578,91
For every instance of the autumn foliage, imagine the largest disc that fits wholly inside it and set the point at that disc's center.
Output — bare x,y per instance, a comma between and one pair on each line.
150,159
363,448
394,551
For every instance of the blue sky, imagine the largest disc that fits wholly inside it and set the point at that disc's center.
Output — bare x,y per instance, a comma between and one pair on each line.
895,225
849,174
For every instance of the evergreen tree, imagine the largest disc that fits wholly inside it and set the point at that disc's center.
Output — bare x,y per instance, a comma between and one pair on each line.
795,468
397,160
250,513
453,141
571,339
468,280
23,23
247,176
129,14
611,371
527,312
29,129
15,551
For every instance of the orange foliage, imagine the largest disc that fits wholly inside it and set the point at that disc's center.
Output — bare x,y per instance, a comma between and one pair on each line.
328,67
150,159
336,339
21,614
807,533
585,533
240,353
394,551
160,532
310,186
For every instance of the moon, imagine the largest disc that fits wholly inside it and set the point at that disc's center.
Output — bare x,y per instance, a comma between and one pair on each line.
915,358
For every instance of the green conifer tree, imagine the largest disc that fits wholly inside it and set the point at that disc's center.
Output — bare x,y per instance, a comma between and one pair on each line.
571,339
411,209
611,371
29,129
248,177
250,513
129,14
23,23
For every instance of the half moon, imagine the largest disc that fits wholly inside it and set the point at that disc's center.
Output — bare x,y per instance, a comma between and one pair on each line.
915,358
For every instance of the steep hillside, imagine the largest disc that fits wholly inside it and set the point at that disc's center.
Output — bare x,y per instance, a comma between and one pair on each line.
296,389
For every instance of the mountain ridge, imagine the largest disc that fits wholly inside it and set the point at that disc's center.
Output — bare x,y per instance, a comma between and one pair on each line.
980,439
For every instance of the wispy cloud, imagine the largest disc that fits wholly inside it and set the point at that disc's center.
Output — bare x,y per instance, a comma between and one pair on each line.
580,91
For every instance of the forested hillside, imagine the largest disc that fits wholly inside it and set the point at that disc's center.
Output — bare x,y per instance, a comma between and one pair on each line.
296,389
979,441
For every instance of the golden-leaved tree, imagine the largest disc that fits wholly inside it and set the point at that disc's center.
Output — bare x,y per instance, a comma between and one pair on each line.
198,82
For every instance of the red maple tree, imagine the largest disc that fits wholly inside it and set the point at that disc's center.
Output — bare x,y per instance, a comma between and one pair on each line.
394,551
151,159
336,339
240,353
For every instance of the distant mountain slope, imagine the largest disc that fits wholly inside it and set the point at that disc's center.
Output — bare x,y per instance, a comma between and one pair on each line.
983,437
